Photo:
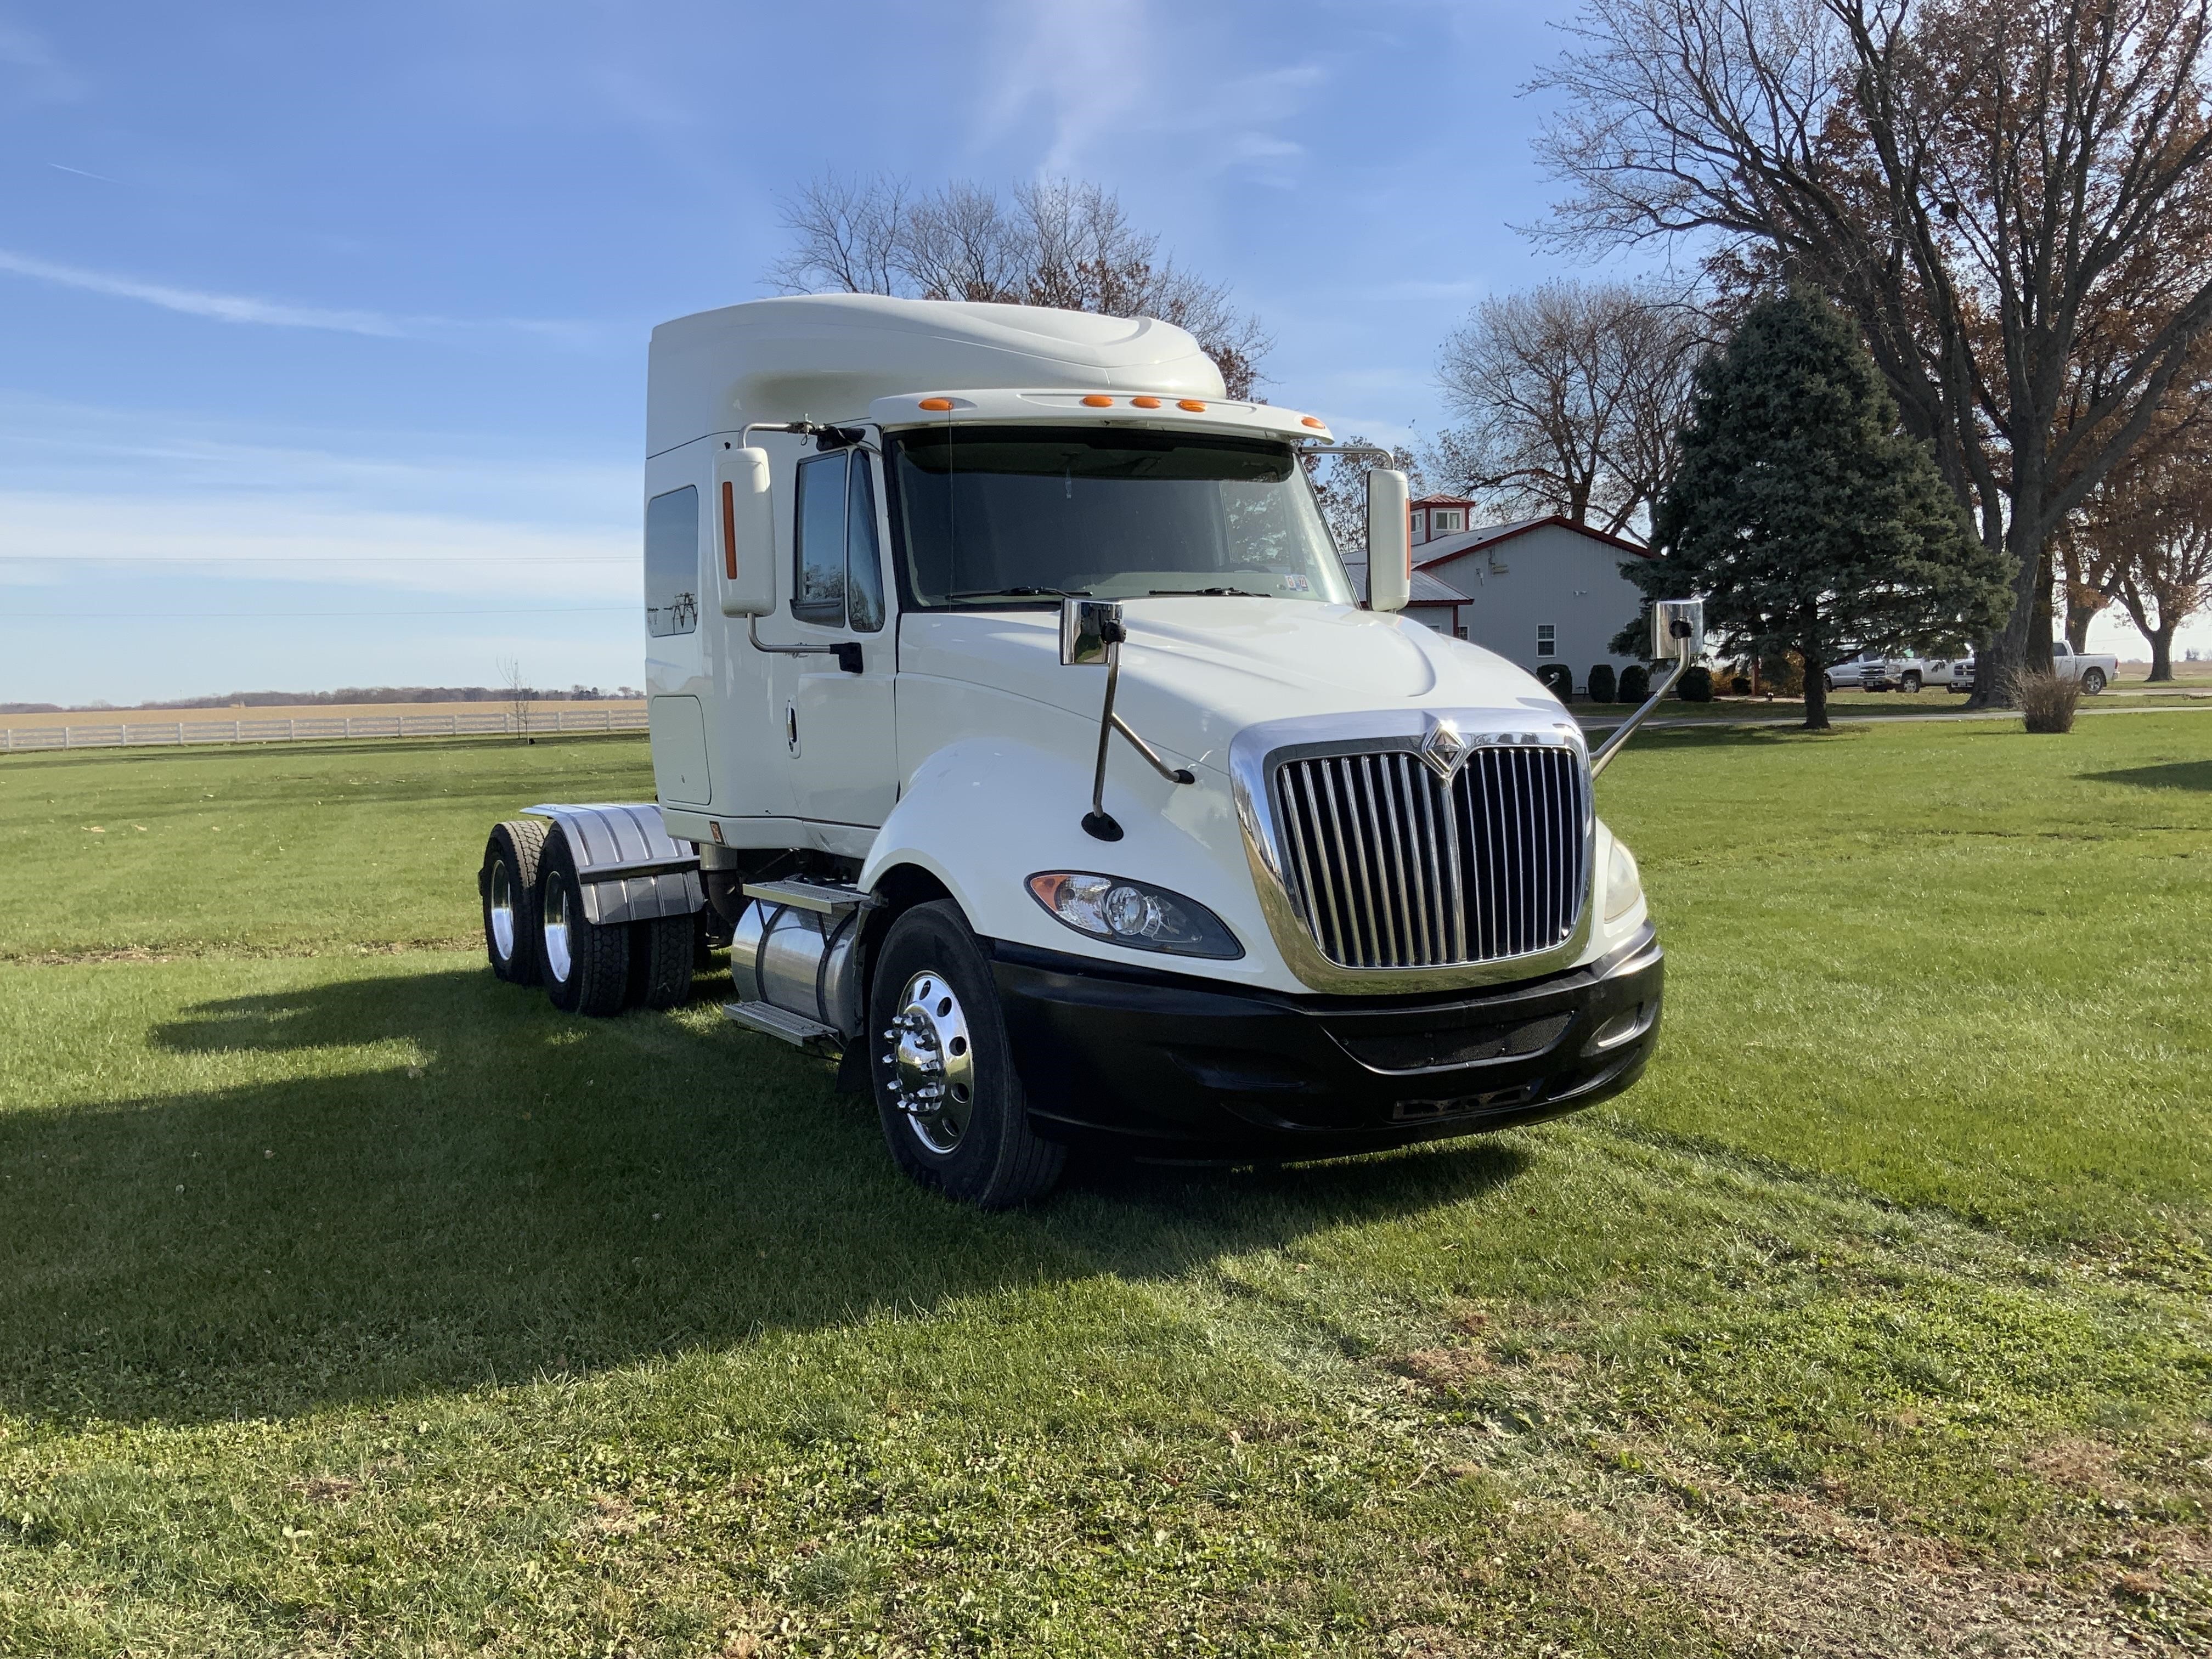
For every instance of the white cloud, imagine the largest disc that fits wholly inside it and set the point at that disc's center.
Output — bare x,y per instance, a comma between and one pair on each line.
271,313
1108,73
250,552
29,68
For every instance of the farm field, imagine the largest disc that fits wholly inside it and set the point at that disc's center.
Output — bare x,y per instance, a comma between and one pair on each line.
351,1303
305,711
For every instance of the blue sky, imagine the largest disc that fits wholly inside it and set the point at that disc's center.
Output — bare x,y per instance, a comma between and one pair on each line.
322,331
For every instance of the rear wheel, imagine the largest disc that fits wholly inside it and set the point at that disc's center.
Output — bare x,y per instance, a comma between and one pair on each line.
508,885
586,966
662,955
952,1108
2093,681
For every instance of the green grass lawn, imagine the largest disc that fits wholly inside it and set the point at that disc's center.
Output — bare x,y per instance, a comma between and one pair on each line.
352,1302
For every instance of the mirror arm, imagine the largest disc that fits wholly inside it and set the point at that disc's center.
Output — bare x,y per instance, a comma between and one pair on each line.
1098,823
1172,774
1685,652
848,651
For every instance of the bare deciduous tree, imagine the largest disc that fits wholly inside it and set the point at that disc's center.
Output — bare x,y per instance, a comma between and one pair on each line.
2146,535
1979,181
1050,243
518,694
1571,397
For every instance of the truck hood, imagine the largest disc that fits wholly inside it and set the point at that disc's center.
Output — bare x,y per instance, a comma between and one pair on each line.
1197,670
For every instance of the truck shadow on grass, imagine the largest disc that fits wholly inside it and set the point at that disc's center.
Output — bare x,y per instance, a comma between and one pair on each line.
2172,774
432,1181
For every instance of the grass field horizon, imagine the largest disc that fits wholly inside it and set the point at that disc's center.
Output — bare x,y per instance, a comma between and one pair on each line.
353,1303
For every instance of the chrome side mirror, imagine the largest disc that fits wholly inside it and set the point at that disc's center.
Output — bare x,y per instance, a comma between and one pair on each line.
1678,629
1087,629
1389,541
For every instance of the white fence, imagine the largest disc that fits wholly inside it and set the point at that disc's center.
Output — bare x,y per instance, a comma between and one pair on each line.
15,739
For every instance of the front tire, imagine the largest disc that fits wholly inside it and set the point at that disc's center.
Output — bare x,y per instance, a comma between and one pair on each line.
586,966
508,886
952,1108
1911,682
2093,681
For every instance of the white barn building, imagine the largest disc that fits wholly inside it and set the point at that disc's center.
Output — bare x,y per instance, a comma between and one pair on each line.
1537,591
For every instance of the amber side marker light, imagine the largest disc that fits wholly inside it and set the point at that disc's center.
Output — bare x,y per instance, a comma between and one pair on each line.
1145,402
1315,420
1193,406
937,403
1094,401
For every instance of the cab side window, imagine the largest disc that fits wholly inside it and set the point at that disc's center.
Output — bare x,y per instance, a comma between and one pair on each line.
864,564
839,568
817,594
672,562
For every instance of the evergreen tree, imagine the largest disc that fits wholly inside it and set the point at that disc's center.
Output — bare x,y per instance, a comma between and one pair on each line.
1807,519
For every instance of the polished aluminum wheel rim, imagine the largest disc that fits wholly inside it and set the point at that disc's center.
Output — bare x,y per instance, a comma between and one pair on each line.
502,912
557,958
930,1062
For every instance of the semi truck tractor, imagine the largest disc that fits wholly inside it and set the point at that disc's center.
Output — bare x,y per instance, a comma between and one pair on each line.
1016,732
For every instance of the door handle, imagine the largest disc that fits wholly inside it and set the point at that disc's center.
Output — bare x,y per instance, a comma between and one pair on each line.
791,726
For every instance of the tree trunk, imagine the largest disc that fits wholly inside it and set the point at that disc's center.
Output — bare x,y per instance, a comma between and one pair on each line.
2036,657
2001,656
2161,651
2078,618
1816,693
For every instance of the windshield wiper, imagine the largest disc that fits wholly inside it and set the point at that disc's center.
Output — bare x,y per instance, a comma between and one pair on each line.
1023,594
1205,593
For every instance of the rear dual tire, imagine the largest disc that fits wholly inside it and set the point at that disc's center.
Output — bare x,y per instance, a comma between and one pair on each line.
586,966
508,883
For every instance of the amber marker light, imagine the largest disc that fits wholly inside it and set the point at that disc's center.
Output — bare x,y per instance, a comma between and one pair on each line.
1193,406
937,403
1144,402
729,541
1097,401
1314,421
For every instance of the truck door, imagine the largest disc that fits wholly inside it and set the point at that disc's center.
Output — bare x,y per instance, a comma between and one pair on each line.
838,727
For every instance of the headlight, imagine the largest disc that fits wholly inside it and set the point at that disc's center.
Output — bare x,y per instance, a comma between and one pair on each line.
1133,913
1623,886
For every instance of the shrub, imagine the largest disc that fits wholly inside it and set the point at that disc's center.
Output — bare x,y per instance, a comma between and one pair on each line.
1559,679
1601,689
1739,685
1696,684
2047,701
1635,682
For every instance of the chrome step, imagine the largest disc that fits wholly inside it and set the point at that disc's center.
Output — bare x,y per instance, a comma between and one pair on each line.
794,1028
825,898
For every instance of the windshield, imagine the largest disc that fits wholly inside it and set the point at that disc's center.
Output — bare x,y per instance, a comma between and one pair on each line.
993,512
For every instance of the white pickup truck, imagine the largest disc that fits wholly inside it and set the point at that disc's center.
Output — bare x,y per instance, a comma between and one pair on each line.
2095,670
1015,727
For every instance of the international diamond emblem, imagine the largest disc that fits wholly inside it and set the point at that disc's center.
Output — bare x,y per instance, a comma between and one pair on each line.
1443,749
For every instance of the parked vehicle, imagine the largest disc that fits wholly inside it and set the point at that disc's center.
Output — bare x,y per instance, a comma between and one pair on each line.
1867,671
1015,727
2094,669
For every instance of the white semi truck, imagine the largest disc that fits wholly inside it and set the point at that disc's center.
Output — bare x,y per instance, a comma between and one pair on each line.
1015,727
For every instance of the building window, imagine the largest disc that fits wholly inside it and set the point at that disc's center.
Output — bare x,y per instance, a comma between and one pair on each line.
1449,519
1546,641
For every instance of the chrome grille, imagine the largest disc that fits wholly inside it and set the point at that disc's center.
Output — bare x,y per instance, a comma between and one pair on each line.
1390,867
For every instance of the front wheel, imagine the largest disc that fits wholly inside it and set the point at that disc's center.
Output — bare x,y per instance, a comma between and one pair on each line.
1911,682
2092,682
952,1108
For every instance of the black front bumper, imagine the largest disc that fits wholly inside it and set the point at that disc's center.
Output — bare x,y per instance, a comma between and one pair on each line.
1167,1065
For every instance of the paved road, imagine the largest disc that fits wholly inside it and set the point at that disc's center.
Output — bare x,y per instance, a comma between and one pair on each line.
1606,723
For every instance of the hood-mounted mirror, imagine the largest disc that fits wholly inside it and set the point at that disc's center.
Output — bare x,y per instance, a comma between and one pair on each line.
1091,632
